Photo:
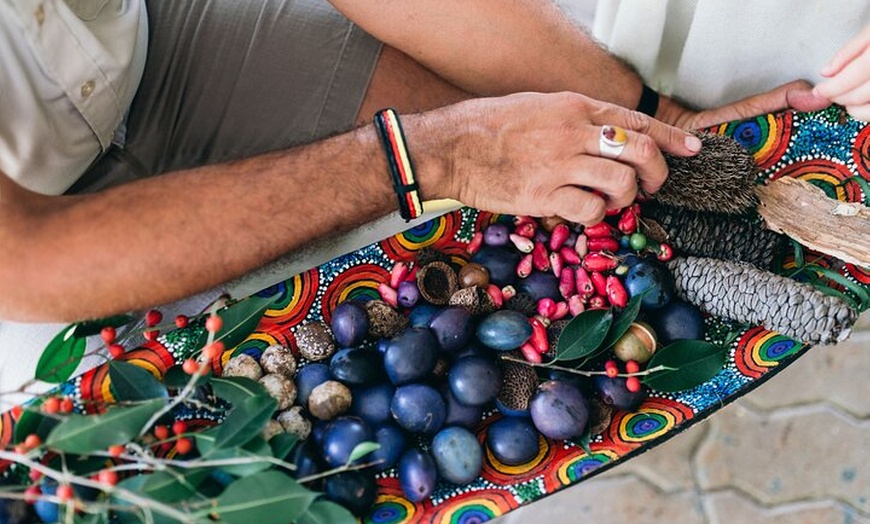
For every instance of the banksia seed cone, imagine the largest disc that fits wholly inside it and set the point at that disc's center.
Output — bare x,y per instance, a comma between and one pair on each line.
746,294
739,238
719,179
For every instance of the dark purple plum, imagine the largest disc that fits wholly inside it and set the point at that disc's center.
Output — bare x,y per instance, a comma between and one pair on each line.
306,457
457,455
513,441
559,410
540,285
407,294
341,436
419,408
497,234
417,474
372,403
676,321
474,381
357,366
350,324
504,330
421,314
501,262
318,429
653,279
393,443
452,328
614,393
308,378
460,414
355,490
411,356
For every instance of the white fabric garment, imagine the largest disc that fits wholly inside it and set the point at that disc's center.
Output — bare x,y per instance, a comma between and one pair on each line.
709,52
69,72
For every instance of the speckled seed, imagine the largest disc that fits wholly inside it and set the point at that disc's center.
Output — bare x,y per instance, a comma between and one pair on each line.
243,366
475,299
272,428
329,400
295,423
279,360
281,388
315,341
384,320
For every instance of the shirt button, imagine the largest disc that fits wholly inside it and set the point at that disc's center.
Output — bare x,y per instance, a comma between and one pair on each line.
88,88
40,14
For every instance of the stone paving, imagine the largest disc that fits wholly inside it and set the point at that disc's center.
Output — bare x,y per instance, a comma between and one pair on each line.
794,451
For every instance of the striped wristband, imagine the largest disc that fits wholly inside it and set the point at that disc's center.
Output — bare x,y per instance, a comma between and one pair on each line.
399,162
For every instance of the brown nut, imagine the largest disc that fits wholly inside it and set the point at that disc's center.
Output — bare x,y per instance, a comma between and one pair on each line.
279,360
243,366
293,421
436,282
315,341
473,274
637,343
329,400
272,428
281,388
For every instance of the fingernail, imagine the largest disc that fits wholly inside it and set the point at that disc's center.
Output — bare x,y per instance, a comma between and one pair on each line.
693,143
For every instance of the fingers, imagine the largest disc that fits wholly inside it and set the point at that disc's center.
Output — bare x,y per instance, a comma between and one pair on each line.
793,95
669,138
641,157
850,78
576,205
847,53
860,112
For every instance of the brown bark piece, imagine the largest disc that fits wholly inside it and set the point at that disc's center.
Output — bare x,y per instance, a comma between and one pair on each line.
805,213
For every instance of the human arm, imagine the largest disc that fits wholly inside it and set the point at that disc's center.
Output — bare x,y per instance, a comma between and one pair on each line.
848,77
163,238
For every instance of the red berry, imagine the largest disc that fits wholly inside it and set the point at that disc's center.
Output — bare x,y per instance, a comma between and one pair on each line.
17,411
34,475
632,384
32,494
151,335
116,350
51,405
32,441
161,432
665,252
108,476
611,369
66,405
108,333
213,350
190,366
181,321
21,449
183,446
116,451
632,366
214,323
65,492
179,427
153,317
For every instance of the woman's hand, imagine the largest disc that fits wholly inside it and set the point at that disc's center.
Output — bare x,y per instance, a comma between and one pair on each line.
848,77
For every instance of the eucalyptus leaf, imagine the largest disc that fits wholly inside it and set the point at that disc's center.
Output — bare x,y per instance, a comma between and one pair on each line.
132,382
237,389
239,321
853,287
584,334
361,450
88,433
34,421
268,497
623,321
282,444
126,513
176,378
245,421
691,363
90,328
325,512
62,356
254,450
172,485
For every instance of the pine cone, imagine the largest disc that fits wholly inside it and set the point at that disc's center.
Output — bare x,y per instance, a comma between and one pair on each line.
739,238
740,292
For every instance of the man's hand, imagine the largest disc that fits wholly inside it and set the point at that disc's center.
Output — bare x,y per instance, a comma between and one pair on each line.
848,77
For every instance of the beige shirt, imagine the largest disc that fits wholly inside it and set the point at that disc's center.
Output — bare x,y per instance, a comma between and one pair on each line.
68,73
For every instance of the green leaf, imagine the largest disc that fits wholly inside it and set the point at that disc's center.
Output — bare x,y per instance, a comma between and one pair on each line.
325,512
361,450
254,448
692,363
853,287
237,389
865,187
239,321
172,485
176,378
584,334
87,433
90,328
34,421
625,319
269,497
245,421
126,513
282,444
131,382
62,356
584,440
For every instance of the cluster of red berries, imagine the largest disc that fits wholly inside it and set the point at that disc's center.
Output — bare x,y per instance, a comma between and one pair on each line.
611,369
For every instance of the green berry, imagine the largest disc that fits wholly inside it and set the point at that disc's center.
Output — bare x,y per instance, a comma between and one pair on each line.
637,241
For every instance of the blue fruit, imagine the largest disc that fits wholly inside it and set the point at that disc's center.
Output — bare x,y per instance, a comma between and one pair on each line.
513,441
497,234
411,356
452,328
677,320
501,262
417,474
653,279
457,455
306,457
341,436
393,443
504,330
459,414
474,381
355,490
318,429
421,314
357,366
350,324
540,285
45,510
372,403
308,378
559,410
418,408
614,393
14,512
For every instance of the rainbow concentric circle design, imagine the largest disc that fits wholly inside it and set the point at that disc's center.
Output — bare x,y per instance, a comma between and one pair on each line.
654,418
766,136
578,467
759,350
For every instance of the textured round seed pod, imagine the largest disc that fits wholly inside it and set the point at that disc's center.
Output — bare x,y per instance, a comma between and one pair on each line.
437,281
600,415
293,421
272,428
749,295
475,299
720,178
473,274
329,400
554,331
277,359
315,341
519,383
281,388
243,366
384,320
523,303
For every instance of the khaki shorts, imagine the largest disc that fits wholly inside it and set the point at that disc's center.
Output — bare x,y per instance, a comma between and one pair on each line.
228,79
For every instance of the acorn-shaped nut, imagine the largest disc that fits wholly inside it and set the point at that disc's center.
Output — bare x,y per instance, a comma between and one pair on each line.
473,274
243,365
272,428
384,320
279,360
437,281
294,422
600,415
637,343
329,400
315,341
519,383
475,299
281,388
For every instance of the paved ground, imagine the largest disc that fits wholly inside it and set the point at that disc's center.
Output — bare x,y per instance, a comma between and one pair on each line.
794,451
